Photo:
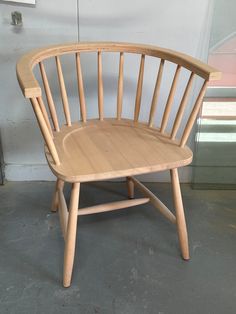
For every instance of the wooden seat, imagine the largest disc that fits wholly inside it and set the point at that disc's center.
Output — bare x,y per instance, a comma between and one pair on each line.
102,148
108,149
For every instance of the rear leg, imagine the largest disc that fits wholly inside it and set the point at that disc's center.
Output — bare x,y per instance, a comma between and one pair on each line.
55,199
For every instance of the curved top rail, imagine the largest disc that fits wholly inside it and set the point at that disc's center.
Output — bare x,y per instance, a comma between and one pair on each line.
31,88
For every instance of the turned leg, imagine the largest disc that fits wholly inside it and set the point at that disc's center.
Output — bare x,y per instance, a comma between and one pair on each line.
130,187
180,217
71,235
59,185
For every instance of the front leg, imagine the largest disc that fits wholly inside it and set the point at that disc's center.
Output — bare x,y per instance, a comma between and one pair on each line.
180,217
70,240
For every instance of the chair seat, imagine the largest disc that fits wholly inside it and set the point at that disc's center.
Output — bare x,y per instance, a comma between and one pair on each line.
113,148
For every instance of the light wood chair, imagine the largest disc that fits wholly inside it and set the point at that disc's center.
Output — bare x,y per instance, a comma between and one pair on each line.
102,148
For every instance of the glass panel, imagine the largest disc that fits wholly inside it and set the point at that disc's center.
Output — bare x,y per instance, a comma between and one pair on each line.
1,163
215,141
222,54
215,155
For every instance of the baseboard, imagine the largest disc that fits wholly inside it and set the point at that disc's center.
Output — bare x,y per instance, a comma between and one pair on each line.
185,176
213,186
37,172
41,172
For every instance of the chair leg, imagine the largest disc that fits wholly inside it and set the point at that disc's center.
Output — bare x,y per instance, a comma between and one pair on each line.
71,235
130,187
59,184
180,217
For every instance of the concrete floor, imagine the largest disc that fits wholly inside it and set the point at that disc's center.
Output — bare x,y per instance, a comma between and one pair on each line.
127,262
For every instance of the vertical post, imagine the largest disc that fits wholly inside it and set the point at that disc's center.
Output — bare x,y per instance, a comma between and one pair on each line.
100,86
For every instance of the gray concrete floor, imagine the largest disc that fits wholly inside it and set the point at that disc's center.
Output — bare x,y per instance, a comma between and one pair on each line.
126,261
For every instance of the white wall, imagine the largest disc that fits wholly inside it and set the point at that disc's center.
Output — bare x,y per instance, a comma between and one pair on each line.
48,23
181,25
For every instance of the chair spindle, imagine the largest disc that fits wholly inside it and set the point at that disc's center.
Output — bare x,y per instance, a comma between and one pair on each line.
139,89
156,93
170,99
120,86
182,106
193,115
63,91
44,129
45,114
80,88
100,86
50,101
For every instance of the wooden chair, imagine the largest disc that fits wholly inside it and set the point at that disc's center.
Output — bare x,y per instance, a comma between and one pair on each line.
102,148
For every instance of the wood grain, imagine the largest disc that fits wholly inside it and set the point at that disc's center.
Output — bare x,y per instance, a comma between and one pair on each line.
112,206
112,149
101,149
31,88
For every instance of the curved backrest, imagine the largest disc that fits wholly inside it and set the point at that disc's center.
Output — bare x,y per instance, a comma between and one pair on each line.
32,90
